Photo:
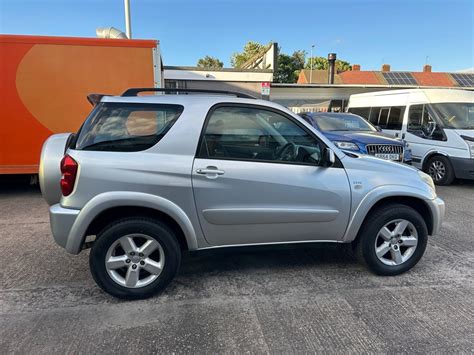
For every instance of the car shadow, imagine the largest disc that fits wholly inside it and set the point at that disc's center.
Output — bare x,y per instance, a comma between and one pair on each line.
267,257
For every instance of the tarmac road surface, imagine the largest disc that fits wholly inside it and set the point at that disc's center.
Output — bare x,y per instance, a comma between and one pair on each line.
305,298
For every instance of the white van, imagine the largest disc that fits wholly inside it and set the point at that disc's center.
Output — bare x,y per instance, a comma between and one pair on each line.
437,124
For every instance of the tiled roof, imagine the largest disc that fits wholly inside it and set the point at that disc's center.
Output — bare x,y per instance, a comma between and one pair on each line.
434,79
319,77
359,77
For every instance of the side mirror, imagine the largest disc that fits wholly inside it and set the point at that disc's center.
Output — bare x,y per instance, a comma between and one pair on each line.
378,128
329,157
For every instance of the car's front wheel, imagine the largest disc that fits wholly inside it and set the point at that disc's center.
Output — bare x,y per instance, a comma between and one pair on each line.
135,258
392,239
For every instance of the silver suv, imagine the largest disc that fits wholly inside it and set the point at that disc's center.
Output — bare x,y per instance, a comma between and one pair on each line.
148,177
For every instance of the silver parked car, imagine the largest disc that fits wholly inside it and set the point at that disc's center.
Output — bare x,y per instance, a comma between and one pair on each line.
147,177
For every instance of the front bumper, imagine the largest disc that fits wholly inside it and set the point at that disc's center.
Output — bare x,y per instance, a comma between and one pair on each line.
463,167
62,220
437,208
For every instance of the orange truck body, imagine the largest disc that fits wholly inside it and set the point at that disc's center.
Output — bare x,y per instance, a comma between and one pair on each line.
44,82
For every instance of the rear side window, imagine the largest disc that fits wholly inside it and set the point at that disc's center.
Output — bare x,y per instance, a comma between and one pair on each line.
395,119
126,127
360,111
387,117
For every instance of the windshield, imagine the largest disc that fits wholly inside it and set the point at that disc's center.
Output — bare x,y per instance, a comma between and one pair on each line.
458,115
343,122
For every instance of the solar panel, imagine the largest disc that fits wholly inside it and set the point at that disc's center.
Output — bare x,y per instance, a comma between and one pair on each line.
464,80
399,78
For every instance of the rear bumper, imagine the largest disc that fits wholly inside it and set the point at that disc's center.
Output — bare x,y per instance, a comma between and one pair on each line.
62,220
463,167
437,208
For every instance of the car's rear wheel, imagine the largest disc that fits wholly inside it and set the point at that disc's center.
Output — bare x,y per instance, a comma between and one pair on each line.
392,240
440,170
135,258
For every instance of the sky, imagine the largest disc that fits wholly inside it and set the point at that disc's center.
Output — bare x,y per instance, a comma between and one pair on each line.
403,33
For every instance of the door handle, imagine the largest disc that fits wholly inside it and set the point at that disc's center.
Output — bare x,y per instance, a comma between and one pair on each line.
211,170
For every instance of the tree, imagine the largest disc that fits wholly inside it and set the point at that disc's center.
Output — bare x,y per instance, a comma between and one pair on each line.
250,50
321,63
209,62
289,67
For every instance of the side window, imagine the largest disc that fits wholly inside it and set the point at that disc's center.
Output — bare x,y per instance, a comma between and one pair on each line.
360,111
395,118
246,133
374,116
126,127
415,118
422,123
383,117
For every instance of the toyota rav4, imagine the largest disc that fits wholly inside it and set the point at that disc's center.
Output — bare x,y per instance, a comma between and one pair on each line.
147,177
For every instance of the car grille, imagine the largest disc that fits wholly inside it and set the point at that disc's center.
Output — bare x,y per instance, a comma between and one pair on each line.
373,149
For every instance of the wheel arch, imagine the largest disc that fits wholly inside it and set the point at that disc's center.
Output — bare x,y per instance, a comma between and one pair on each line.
430,155
414,199
112,214
106,207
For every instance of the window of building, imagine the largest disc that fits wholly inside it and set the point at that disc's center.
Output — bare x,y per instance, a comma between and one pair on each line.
175,84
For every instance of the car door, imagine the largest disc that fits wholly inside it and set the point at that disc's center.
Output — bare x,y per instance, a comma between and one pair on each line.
258,177
423,132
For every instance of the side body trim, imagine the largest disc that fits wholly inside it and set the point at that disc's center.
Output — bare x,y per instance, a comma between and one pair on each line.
233,216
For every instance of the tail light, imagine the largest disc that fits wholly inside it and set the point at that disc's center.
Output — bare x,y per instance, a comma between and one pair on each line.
69,171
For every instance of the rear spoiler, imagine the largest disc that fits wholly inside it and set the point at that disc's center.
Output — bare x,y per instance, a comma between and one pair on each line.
94,99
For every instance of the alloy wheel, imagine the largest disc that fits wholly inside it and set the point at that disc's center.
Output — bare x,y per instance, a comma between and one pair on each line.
396,242
135,260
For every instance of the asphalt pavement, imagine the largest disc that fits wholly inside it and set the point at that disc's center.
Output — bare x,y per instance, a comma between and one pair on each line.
285,299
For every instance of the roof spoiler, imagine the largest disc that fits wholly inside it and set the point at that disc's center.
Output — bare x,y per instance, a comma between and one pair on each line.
94,99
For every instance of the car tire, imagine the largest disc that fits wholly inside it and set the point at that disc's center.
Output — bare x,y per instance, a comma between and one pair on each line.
373,240
135,258
440,169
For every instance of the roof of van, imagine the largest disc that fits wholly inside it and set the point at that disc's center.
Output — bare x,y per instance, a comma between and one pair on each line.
430,94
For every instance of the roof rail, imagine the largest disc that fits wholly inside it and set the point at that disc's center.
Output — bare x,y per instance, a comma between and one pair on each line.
136,91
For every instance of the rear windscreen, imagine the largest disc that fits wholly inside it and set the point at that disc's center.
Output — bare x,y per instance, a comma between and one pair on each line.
126,127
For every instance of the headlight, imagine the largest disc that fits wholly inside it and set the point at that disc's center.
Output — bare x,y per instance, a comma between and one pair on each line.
426,178
346,145
470,144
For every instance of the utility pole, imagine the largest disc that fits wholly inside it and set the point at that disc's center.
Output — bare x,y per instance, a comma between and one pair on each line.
128,23
311,65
